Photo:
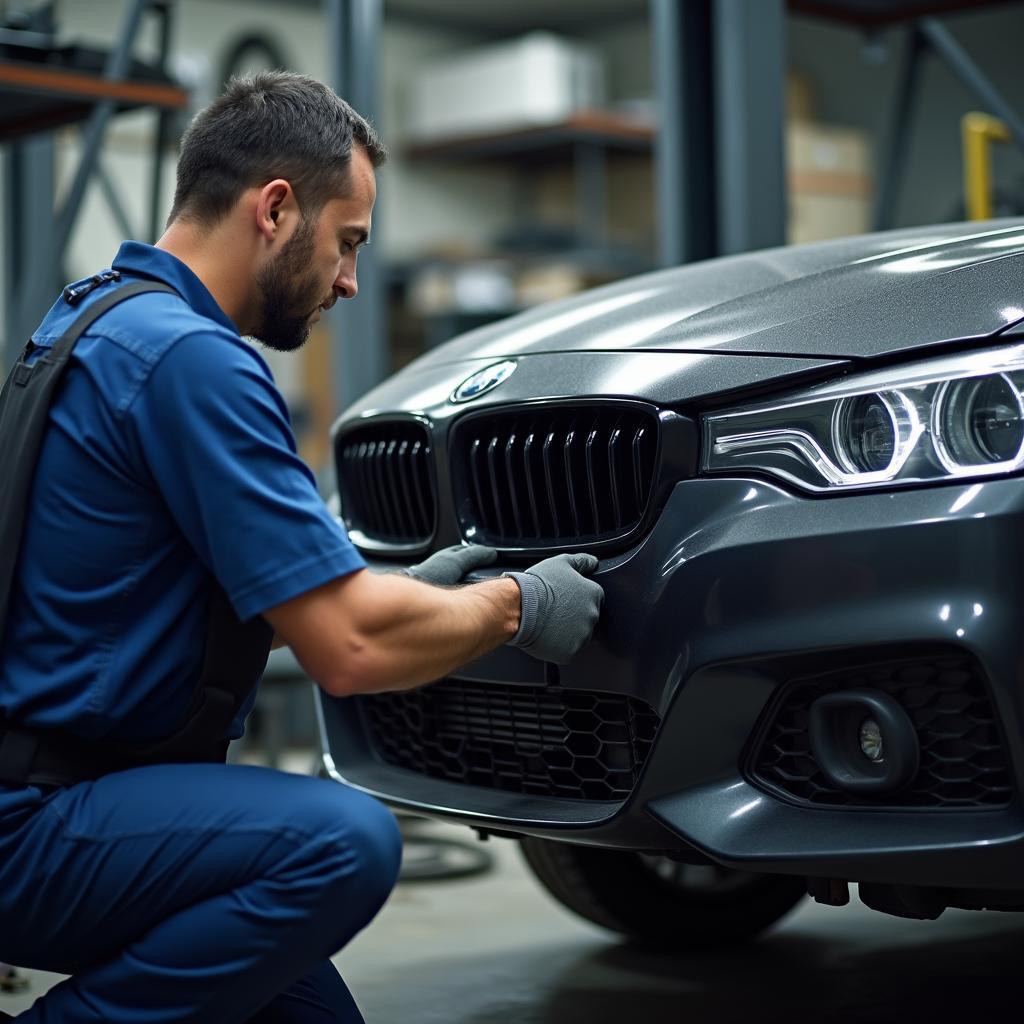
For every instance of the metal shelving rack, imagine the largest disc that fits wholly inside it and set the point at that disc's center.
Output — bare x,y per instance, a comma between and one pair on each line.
715,62
44,86
717,143
584,140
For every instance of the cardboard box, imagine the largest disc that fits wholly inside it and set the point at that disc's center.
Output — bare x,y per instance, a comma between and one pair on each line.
829,181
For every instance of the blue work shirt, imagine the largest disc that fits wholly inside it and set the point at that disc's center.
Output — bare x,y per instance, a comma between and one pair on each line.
169,456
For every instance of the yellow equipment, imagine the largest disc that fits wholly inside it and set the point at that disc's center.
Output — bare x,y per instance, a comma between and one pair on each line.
979,131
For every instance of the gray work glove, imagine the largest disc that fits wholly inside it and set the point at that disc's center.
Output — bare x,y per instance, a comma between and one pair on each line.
560,607
448,566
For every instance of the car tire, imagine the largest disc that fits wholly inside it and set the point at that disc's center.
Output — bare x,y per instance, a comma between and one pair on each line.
659,901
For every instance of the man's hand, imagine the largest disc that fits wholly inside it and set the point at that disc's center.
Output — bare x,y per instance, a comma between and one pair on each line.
448,566
560,607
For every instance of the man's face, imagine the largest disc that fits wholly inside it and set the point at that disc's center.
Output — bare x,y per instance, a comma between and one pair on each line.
317,264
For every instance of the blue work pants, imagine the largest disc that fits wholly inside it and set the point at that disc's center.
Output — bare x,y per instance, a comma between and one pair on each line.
203,893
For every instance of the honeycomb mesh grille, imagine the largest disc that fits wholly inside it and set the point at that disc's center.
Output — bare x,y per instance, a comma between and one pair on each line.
536,740
963,761
385,481
542,477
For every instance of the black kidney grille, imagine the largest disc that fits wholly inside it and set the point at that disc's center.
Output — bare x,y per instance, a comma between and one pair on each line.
385,482
535,478
537,740
963,762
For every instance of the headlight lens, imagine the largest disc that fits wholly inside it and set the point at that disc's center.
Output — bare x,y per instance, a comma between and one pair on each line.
979,422
866,433
941,419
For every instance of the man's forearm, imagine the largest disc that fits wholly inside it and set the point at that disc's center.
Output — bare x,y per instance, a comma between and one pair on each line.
367,633
435,631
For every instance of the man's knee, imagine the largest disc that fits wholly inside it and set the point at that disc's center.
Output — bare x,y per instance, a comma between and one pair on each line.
361,841
373,837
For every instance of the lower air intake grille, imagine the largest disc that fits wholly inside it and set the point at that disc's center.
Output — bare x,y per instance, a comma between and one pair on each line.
537,740
385,481
963,762
552,476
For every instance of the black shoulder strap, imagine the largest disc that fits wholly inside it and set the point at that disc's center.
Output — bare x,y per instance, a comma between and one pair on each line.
24,412
235,652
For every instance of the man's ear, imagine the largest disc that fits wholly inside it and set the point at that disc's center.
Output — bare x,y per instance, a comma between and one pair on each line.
274,204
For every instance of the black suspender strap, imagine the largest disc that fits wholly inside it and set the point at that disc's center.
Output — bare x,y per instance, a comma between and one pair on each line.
235,653
24,407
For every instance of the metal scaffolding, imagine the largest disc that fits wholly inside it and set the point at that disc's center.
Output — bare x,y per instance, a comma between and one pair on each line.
924,36
39,96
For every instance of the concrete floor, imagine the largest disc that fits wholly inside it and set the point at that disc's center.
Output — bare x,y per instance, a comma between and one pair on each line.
494,949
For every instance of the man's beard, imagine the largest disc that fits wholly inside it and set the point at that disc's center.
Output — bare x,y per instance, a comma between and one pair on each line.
290,292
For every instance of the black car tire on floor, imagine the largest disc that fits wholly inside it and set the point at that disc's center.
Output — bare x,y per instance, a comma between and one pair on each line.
660,901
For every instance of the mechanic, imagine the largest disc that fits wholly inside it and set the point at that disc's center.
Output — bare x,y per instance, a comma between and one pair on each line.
156,530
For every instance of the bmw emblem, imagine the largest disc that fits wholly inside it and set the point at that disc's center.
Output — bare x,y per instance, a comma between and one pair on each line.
483,381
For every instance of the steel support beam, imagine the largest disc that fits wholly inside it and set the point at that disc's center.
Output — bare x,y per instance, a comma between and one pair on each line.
590,173
114,204
27,217
897,136
359,355
31,265
924,36
164,120
684,149
749,81
944,45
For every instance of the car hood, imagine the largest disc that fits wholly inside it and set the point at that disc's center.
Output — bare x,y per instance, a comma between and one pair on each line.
853,298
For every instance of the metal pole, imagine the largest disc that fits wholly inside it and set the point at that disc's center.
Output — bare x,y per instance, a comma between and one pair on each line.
31,271
27,222
978,131
11,258
684,149
898,134
360,356
114,203
162,131
590,173
749,44
974,79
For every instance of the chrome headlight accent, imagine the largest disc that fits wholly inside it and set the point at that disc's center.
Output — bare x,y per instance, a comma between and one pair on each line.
941,419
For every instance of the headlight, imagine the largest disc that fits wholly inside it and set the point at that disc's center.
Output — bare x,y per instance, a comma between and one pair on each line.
979,423
947,418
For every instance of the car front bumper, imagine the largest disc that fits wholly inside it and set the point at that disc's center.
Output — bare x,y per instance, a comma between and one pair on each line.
740,587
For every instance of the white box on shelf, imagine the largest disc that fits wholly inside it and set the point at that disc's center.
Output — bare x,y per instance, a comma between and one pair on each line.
538,79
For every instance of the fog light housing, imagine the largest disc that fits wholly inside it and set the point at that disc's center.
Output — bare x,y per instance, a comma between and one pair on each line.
863,741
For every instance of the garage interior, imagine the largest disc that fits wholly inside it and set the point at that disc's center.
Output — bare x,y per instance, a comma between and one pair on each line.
675,132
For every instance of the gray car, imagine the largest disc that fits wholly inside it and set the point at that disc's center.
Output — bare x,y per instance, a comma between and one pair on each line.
800,470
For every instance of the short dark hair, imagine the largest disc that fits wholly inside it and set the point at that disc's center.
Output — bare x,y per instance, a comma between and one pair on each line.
272,124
